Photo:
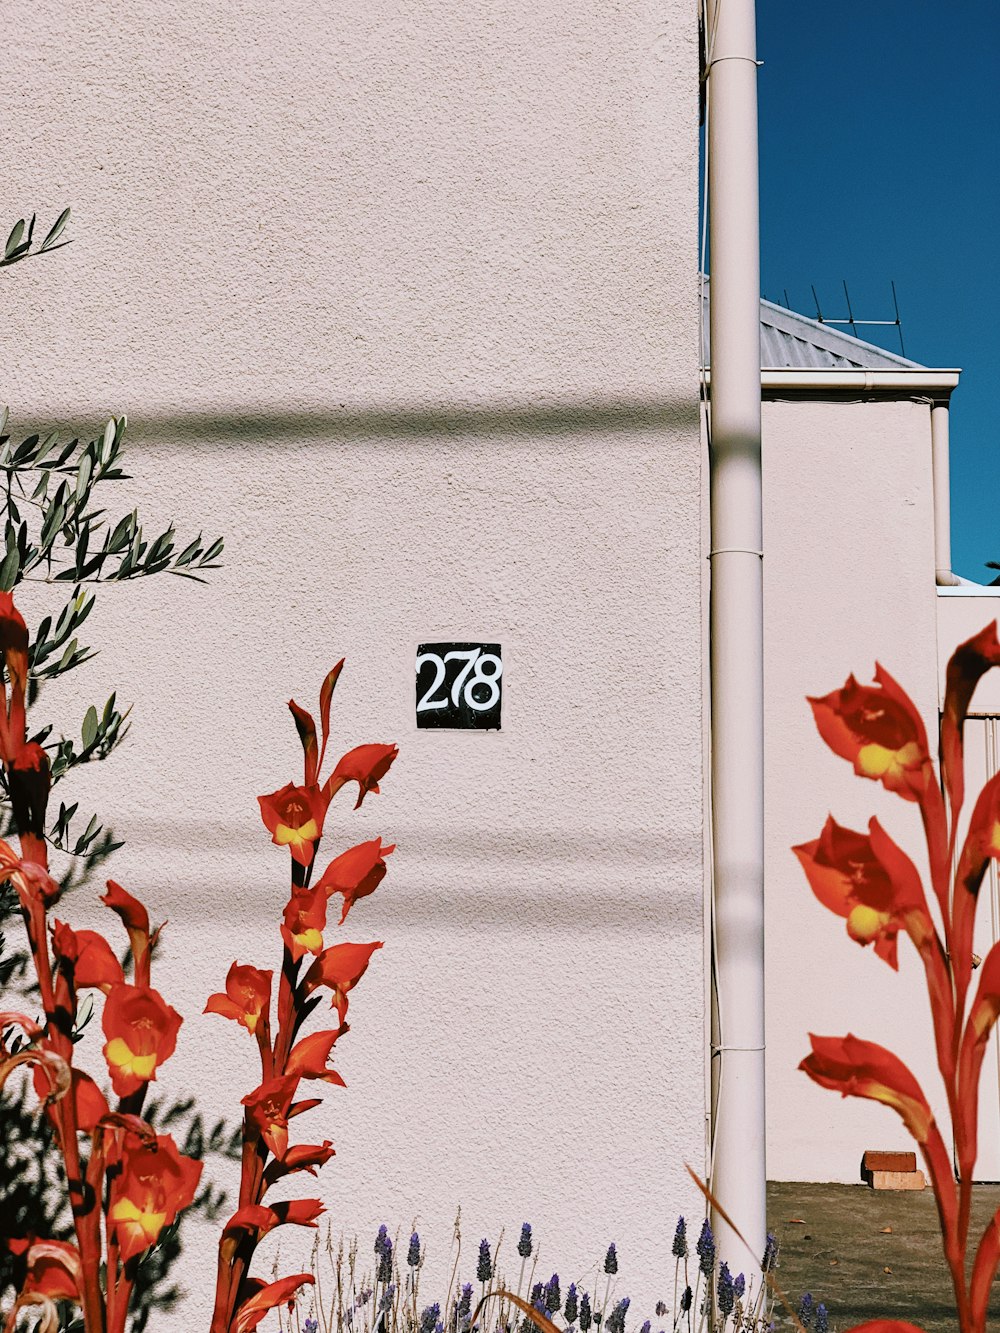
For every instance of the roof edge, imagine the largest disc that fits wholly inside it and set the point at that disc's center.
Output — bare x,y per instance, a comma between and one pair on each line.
844,380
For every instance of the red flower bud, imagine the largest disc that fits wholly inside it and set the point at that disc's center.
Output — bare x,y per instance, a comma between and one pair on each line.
356,873
366,765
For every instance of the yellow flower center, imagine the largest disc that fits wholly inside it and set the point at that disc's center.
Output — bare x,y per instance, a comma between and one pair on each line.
119,1053
284,834
876,761
865,923
149,1223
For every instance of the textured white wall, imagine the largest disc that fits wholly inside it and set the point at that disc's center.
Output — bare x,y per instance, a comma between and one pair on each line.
849,578
401,299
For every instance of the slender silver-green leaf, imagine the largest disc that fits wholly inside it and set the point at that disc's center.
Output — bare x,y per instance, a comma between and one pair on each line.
10,569
14,239
89,730
56,229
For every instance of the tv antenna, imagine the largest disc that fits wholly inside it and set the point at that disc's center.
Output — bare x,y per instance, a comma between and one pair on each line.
854,324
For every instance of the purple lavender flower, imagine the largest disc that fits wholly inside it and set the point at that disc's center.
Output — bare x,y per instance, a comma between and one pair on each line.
413,1253
429,1318
680,1245
725,1292
524,1244
611,1259
537,1297
382,1241
661,1308
385,1300
553,1297
739,1286
686,1300
310,1326
465,1302
646,1326
806,1310
770,1259
383,1272
822,1319
571,1308
706,1249
484,1268
586,1318
364,1296
616,1319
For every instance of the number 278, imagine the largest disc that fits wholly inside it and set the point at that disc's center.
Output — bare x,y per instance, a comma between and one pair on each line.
481,672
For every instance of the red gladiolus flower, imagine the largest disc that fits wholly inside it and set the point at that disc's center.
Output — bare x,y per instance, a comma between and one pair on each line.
294,818
856,1068
305,919
366,765
340,968
870,881
53,1268
32,883
135,919
877,727
155,1183
89,1103
247,997
263,1218
265,1296
142,1032
94,963
969,663
300,1157
309,1056
267,1109
356,873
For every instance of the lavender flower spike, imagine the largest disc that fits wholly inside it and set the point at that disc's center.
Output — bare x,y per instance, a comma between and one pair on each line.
611,1259
680,1245
413,1253
553,1296
484,1268
706,1249
725,1291
524,1245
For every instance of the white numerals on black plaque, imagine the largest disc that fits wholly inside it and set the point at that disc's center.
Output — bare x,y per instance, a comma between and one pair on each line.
459,685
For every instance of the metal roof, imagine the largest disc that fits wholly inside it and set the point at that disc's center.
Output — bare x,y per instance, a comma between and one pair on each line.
789,340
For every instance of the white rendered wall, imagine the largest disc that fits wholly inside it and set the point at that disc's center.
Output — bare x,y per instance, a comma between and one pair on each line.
849,578
401,300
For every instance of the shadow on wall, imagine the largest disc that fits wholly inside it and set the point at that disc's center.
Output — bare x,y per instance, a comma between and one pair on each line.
350,423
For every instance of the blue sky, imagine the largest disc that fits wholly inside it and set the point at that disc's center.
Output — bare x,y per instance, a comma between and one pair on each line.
880,160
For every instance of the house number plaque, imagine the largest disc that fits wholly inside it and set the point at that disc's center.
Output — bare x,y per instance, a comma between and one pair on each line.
459,685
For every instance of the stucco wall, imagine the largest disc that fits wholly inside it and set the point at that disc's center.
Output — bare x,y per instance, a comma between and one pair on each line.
848,580
402,301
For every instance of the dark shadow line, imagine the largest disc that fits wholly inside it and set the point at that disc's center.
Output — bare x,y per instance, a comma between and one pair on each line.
347,424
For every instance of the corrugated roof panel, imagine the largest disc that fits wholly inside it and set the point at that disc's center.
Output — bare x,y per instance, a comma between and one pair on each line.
792,341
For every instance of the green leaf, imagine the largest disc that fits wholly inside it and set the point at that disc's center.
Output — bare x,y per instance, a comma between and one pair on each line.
14,239
83,475
89,730
214,550
56,230
10,569
189,552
